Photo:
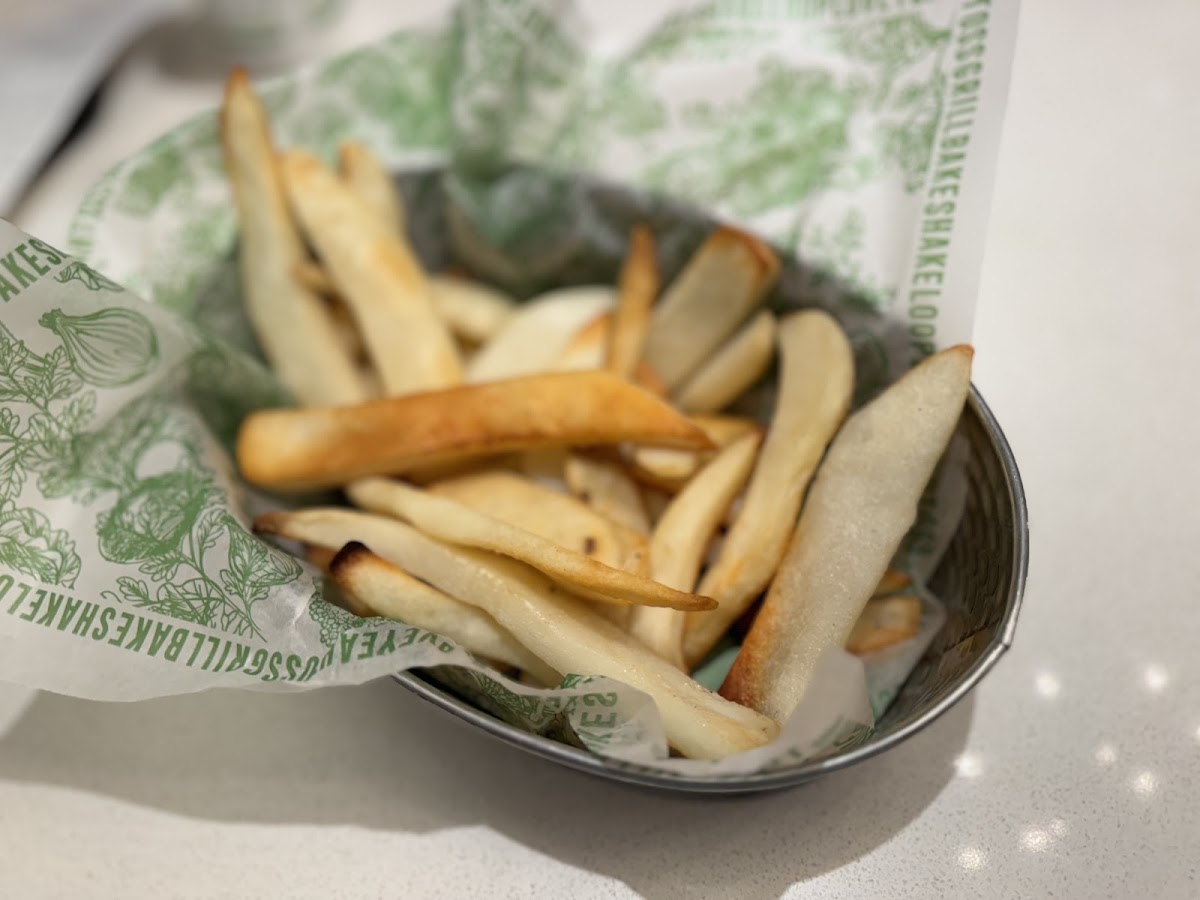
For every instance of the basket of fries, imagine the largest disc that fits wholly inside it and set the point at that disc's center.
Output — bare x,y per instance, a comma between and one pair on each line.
631,487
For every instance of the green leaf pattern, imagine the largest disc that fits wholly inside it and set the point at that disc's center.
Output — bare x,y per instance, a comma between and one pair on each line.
87,276
332,620
30,544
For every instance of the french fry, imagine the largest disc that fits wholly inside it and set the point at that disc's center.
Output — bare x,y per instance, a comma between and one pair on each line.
605,486
313,277
386,590
585,351
289,449
732,369
364,174
352,343
884,622
457,524
723,282
862,502
670,469
535,335
290,321
637,288
379,278
892,582
321,557
680,538
552,515
815,387
559,629
472,311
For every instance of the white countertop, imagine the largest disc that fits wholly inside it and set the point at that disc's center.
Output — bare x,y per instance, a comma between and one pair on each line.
1070,771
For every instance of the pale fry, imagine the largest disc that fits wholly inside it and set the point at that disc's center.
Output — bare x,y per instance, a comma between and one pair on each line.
561,630
732,369
386,590
458,524
815,387
316,279
473,311
637,288
885,621
290,321
680,538
378,277
290,449
670,469
555,516
863,501
605,486
535,335
586,349
364,174
719,287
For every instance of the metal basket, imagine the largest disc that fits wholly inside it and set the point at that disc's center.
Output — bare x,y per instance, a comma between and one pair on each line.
980,578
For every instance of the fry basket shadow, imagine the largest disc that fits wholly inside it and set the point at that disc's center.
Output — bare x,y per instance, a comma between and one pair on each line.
376,757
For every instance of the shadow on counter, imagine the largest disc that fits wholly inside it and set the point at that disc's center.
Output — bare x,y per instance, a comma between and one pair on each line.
378,757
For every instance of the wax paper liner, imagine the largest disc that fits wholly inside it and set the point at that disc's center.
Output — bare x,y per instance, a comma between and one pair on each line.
861,142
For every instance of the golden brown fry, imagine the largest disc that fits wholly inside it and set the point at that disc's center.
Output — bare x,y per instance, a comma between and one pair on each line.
364,174
313,277
379,278
638,286
553,515
722,283
885,621
863,501
559,629
289,449
319,556
293,327
680,538
386,590
472,311
732,368
605,486
815,387
535,335
458,524
892,582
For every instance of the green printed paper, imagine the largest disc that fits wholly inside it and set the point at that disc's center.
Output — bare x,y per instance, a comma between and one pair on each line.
858,137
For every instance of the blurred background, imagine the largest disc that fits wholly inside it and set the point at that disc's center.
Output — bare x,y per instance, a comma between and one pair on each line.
115,75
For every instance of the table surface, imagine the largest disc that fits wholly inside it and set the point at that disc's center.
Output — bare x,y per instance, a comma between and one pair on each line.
1070,770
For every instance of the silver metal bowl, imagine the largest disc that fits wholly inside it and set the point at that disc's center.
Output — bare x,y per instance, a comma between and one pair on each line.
980,578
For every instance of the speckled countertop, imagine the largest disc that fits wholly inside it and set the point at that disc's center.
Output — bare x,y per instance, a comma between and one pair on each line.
1071,772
